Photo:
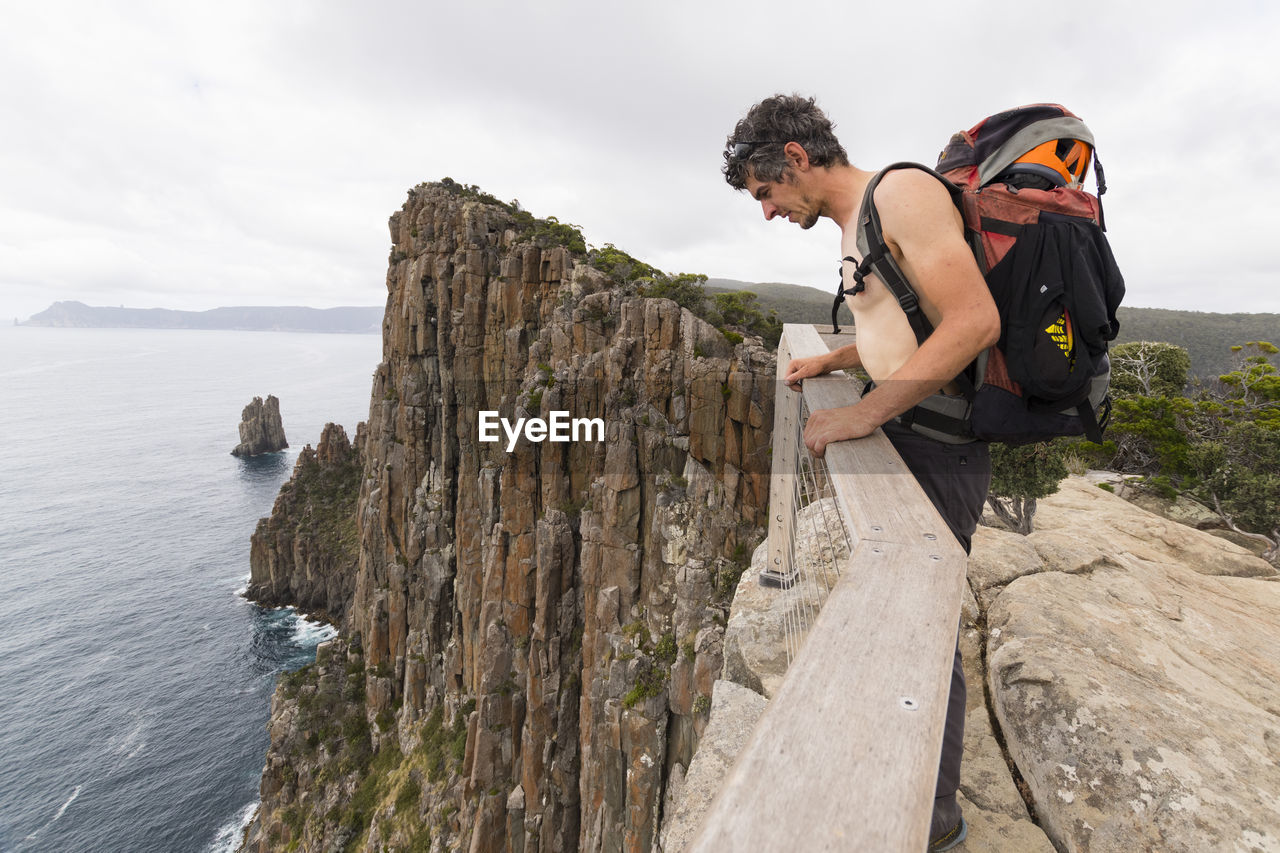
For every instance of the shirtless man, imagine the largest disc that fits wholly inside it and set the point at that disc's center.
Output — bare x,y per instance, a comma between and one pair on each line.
785,153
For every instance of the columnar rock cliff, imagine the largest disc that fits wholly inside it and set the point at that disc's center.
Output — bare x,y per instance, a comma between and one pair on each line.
261,430
532,636
305,554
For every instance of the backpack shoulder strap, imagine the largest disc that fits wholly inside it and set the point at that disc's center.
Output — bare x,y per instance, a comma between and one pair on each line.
877,258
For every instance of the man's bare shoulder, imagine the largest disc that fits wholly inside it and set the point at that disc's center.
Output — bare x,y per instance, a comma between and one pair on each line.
905,188
914,206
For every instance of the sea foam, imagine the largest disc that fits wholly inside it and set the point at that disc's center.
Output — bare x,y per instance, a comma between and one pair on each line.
230,834
309,632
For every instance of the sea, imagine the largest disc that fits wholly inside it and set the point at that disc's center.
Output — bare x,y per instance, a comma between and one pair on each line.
135,679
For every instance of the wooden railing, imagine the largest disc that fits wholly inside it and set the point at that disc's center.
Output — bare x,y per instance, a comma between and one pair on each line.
845,758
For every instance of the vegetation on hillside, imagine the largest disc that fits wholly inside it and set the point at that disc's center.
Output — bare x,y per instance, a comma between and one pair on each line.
325,498
792,303
349,784
1218,442
1201,334
734,313
544,232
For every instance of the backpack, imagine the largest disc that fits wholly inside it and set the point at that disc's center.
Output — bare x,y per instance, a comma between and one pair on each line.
1039,242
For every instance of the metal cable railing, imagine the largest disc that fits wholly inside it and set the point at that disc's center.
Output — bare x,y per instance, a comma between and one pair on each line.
820,543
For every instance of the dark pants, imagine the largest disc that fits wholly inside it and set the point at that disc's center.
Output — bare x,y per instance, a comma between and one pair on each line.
955,477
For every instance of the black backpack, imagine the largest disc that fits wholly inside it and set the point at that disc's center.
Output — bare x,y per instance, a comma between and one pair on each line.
1038,239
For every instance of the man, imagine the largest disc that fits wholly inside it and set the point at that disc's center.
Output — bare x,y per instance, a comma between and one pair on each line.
785,153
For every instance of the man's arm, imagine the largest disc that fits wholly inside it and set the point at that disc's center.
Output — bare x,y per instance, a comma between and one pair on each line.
925,234
844,358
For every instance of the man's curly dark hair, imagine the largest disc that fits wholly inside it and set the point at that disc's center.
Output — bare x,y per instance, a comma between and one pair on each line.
770,125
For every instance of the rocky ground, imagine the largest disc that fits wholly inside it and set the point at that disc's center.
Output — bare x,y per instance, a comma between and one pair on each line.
1122,670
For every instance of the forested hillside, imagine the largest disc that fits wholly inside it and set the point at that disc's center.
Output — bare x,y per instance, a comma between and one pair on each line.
1207,337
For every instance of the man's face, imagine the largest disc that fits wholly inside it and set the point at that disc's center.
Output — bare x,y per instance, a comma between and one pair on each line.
785,198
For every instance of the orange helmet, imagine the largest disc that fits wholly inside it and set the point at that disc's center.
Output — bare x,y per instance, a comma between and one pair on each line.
1063,161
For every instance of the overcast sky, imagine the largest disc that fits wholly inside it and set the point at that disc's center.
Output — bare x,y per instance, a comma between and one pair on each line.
194,155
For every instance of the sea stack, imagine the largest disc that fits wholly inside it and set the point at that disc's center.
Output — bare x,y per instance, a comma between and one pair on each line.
260,428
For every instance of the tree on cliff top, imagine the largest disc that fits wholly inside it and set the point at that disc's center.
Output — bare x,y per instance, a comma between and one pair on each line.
1148,368
1019,477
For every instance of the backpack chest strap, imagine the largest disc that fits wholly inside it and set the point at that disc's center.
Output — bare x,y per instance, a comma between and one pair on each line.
859,284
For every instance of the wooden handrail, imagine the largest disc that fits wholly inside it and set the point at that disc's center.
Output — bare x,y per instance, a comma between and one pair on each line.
845,758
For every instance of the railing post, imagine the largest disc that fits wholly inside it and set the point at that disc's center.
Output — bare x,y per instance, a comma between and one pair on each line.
785,463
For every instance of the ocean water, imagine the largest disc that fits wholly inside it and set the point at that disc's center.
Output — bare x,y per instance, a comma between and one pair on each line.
135,679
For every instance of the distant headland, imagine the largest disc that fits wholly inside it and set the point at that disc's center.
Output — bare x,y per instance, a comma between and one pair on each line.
347,320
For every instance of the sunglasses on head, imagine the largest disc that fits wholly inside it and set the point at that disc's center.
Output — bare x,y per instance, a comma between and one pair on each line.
739,150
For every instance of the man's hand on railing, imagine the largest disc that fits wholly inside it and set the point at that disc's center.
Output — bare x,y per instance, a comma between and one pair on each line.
800,369
844,358
827,425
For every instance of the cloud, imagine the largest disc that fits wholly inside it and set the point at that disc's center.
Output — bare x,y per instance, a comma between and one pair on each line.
250,152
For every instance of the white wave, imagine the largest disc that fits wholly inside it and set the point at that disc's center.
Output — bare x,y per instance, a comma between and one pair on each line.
129,745
311,633
75,793
230,834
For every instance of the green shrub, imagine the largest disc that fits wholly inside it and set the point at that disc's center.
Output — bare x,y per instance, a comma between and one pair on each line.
684,289
620,266
651,681
739,309
386,720
293,818
1022,475
573,507
665,651
421,841
410,793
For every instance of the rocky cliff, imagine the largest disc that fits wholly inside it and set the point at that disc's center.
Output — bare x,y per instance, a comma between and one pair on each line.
532,636
305,553
261,430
